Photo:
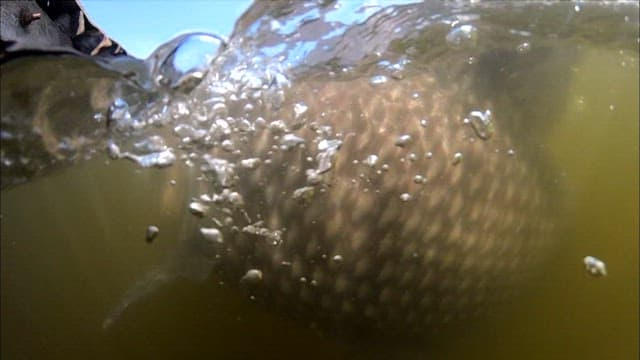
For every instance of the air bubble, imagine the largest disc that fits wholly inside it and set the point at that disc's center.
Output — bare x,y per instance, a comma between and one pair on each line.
251,163
462,36
243,125
457,158
378,80
595,266
212,235
403,140
313,177
524,48
222,197
328,149
253,276
182,63
405,197
227,145
419,179
371,160
289,141
152,233
337,259
113,151
220,109
304,194
329,144
119,115
235,199
481,123
324,161
151,144
159,159
277,127
299,109
395,70
198,209
189,132
222,169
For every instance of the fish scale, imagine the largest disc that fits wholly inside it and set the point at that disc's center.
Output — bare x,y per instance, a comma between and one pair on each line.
473,229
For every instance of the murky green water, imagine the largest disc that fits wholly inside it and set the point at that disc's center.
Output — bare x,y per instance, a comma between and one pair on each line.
73,242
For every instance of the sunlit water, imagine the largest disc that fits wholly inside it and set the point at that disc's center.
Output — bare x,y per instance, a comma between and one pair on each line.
73,237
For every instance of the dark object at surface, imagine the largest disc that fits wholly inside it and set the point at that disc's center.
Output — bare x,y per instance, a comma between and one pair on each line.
35,38
54,27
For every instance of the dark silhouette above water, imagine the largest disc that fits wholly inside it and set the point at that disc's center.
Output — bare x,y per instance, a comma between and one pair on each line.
51,27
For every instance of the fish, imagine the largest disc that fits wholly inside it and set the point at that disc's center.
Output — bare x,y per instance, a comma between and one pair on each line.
368,208
366,201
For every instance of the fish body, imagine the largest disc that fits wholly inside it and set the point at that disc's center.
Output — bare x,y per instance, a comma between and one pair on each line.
385,198
386,211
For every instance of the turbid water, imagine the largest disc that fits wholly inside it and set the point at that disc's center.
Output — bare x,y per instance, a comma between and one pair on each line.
560,84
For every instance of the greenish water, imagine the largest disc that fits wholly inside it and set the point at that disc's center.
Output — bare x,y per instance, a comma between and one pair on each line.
74,241
568,314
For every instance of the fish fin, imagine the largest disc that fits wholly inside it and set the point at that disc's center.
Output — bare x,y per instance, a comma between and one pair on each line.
141,289
190,261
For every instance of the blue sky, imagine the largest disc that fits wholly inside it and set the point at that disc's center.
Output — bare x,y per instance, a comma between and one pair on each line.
141,25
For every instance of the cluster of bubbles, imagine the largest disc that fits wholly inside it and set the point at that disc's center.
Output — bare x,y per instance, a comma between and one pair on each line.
206,102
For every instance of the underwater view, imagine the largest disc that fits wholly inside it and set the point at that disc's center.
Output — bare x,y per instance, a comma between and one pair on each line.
334,180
